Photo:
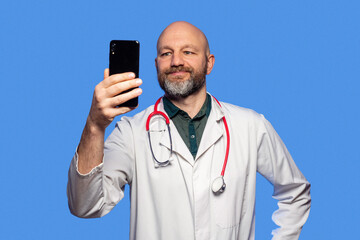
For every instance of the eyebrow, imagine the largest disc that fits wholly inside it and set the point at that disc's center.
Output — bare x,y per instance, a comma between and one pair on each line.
185,46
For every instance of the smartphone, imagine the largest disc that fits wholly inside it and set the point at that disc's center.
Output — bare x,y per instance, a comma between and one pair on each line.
124,57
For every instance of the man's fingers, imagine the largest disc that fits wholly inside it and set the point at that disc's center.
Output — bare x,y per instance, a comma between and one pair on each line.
111,113
122,110
115,101
120,87
116,78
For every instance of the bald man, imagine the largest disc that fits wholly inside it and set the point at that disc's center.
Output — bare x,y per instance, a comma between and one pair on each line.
173,172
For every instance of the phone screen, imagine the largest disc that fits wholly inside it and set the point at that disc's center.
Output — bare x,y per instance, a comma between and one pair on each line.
124,57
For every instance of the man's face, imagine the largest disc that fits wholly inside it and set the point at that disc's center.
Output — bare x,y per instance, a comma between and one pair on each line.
181,62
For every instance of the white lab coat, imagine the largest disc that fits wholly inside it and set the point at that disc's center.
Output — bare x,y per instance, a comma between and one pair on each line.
176,202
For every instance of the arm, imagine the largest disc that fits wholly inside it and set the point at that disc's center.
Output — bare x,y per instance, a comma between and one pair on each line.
291,189
86,173
102,112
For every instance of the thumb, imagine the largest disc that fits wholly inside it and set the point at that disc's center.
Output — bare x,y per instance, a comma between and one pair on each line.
106,73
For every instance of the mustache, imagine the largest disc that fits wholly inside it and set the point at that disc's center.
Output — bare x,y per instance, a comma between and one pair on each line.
178,69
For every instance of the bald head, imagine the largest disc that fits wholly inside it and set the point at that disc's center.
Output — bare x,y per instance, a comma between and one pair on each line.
183,61
183,31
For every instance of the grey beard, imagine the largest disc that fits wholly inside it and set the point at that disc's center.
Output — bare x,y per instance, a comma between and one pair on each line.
182,89
178,88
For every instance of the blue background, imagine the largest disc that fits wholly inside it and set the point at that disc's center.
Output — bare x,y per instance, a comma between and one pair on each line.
297,62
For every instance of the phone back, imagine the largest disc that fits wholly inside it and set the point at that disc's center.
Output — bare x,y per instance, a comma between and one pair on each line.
124,57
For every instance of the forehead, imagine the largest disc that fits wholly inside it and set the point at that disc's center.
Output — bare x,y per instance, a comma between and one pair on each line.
180,37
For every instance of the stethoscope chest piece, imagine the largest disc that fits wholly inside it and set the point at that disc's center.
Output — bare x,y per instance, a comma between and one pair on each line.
218,185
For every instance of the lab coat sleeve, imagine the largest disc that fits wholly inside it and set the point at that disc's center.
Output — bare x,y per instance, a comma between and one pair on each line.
291,189
96,193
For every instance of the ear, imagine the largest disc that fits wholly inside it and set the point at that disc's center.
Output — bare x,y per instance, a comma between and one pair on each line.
210,63
156,65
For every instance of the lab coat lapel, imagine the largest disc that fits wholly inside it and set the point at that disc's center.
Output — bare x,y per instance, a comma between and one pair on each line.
214,129
178,144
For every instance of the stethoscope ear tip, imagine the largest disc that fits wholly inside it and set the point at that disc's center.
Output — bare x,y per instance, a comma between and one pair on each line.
218,185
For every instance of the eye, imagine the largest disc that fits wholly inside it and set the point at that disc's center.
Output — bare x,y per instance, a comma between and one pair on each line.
165,54
188,52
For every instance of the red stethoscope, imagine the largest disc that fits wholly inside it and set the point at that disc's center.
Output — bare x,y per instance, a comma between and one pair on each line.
218,184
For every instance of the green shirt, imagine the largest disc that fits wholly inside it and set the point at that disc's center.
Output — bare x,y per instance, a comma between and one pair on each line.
189,129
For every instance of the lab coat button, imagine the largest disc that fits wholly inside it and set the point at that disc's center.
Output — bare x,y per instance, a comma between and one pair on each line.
192,136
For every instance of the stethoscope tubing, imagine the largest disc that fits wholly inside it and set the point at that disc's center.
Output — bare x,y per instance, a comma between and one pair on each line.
218,185
227,142
156,112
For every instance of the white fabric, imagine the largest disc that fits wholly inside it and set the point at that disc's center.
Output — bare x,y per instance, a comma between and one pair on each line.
176,202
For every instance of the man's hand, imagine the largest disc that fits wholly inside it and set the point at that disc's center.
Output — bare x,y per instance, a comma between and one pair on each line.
107,95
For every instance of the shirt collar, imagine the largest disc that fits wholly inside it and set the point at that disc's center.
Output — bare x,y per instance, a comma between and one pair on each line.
172,110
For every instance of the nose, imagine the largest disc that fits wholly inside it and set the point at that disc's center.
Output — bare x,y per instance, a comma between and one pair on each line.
177,60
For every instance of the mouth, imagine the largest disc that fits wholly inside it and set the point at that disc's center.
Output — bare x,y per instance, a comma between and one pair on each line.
177,73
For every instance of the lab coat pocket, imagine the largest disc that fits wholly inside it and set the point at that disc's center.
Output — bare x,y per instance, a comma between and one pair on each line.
227,208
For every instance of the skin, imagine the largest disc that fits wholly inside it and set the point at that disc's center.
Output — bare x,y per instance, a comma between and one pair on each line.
180,44
107,95
183,44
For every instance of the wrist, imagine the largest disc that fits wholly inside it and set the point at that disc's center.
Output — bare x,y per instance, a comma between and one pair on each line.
93,128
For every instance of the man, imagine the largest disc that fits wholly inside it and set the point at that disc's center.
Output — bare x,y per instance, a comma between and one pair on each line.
175,200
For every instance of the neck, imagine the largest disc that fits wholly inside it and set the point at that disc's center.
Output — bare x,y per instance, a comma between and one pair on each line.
191,104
